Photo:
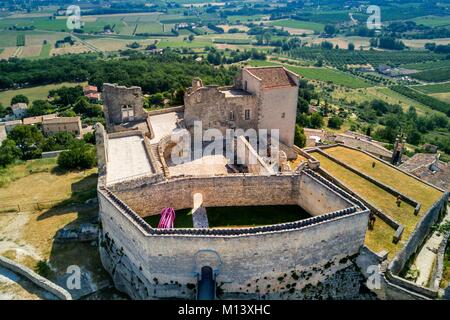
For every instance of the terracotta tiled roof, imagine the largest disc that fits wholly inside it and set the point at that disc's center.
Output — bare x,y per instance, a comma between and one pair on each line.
38,119
272,77
90,89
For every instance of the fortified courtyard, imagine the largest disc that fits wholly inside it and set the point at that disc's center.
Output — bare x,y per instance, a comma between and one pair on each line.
333,222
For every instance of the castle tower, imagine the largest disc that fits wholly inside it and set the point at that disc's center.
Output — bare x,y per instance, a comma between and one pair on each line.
399,147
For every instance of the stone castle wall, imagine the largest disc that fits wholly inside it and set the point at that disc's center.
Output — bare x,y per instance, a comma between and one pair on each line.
212,107
115,97
154,266
234,190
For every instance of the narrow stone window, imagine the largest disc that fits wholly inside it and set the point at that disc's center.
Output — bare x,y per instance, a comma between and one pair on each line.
247,114
231,116
245,85
283,115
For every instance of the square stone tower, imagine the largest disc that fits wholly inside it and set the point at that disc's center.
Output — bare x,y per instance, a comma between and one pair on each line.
277,92
122,104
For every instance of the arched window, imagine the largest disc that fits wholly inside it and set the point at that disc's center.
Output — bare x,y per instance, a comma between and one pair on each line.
127,113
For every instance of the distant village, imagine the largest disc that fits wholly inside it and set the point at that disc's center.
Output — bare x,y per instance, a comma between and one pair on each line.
49,123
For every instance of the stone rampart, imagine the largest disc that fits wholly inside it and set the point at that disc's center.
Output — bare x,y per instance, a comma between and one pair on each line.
155,263
38,280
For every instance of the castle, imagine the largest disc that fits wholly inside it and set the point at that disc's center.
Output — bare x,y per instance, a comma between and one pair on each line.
318,253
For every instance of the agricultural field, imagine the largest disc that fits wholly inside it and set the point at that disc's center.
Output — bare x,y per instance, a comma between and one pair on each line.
428,65
357,96
434,75
373,57
297,24
422,98
180,43
321,74
433,21
434,88
330,75
34,93
444,96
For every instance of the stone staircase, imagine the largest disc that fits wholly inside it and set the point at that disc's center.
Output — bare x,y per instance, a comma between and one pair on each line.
158,163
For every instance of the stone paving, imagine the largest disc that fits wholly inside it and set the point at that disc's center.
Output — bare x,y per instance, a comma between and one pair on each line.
127,158
163,125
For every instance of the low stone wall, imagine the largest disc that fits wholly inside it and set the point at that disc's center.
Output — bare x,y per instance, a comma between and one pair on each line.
166,110
438,268
419,234
383,186
41,282
52,154
390,221
236,190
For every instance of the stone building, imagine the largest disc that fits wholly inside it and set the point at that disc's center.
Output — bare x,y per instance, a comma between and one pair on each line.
19,110
122,105
62,124
320,254
261,98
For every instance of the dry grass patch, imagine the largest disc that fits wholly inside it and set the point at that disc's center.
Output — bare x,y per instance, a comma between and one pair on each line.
8,52
381,236
31,51
392,177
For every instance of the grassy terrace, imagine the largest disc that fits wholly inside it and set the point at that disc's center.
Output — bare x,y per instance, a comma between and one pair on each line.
381,236
34,93
238,217
27,236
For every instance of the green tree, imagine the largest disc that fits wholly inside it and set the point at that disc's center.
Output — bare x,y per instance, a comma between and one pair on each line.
3,111
89,137
19,98
157,99
66,96
58,141
9,152
302,105
316,120
330,29
39,107
299,137
81,155
29,139
351,46
335,122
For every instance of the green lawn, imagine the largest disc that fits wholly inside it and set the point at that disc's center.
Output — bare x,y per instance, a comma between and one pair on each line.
329,75
34,93
183,219
182,44
254,215
227,217
405,184
320,74
433,21
434,88
427,65
242,19
45,51
297,24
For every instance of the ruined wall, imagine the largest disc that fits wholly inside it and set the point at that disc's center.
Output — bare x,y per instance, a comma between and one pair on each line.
209,105
115,97
234,190
311,262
